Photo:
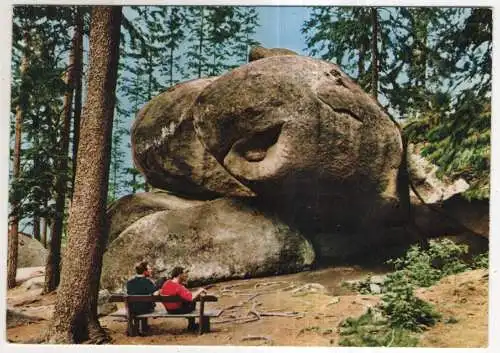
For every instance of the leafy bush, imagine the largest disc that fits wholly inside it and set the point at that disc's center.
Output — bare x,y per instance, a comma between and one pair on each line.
423,268
480,261
402,308
401,312
372,330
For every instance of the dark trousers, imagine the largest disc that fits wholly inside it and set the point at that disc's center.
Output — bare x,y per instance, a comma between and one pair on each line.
186,308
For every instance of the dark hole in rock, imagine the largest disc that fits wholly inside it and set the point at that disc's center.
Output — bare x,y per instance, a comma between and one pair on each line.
254,149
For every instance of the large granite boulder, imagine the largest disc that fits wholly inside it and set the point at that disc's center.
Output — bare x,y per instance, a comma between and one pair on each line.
125,211
167,152
31,253
216,240
301,134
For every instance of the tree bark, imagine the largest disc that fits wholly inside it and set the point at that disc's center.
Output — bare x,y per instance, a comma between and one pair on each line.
375,26
75,312
36,228
200,53
52,268
43,235
78,89
16,169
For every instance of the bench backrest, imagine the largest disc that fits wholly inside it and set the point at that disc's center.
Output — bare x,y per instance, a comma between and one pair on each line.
156,298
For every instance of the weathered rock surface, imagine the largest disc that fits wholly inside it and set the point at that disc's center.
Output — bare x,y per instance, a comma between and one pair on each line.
168,153
131,208
31,252
303,135
219,239
424,177
456,216
104,307
25,273
34,283
258,52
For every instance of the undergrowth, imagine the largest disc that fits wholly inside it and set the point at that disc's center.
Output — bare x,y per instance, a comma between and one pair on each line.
401,314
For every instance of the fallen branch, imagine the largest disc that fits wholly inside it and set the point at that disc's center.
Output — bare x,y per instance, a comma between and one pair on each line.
259,284
232,286
278,313
254,311
253,296
256,338
237,320
231,307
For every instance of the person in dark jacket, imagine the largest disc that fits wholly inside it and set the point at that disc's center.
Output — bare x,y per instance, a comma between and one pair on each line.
141,284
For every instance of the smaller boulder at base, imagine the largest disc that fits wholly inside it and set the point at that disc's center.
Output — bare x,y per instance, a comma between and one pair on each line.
220,239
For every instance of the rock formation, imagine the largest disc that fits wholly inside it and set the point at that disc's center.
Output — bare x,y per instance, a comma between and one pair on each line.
31,252
269,168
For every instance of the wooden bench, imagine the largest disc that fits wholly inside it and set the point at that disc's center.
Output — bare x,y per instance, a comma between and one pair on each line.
137,323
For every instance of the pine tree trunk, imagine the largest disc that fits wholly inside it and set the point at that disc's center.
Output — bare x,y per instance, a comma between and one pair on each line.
36,228
171,64
78,90
361,63
375,26
52,268
134,181
75,312
43,235
200,53
36,168
16,168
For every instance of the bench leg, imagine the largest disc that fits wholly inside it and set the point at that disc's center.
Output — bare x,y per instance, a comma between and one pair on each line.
205,324
191,324
132,327
143,326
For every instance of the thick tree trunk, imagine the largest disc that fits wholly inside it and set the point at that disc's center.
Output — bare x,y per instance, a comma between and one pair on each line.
52,268
75,316
16,168
375,26
78,90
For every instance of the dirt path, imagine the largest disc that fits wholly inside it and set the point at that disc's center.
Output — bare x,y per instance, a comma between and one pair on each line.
315,303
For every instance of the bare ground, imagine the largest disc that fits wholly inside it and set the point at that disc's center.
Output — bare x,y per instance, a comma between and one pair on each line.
310,306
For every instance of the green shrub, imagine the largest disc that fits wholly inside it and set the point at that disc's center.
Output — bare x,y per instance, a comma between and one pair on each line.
402,308
371,330
401,312
423,268
480,261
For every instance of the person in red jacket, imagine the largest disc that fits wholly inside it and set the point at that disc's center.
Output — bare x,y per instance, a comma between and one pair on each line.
175,286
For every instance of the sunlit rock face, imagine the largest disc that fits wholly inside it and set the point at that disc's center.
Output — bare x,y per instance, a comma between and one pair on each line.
299,133
218,239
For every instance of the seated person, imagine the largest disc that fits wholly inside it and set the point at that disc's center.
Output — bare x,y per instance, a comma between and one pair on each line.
175,286
141,284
